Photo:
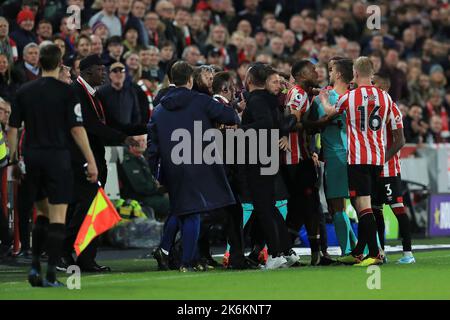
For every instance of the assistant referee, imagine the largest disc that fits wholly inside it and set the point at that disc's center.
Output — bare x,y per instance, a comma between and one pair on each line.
51,114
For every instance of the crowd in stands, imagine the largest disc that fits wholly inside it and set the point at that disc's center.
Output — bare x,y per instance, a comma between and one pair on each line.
144,36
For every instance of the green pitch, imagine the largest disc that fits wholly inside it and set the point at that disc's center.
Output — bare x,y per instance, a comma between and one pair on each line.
429,278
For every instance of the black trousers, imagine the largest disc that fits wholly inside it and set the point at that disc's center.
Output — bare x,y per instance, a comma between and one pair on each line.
304,199
262,193
231,217
25,210
85,193
4,229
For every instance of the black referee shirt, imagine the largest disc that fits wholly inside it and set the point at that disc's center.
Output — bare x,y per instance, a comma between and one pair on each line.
49,109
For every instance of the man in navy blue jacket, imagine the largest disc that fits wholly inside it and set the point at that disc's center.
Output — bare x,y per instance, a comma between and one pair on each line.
193,188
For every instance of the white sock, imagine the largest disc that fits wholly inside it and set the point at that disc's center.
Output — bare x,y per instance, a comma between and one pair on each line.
407,254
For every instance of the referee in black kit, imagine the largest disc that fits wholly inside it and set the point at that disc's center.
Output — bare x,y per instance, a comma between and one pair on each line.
102,130
51,114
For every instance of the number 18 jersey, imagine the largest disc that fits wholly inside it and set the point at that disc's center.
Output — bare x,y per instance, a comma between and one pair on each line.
368,108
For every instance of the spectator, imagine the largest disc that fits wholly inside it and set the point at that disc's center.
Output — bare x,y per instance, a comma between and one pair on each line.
353,50
277,47
24,35
322,72
435,106
96,45
420,92
399,87
131,39
261,40
437,78
61,44
133,65
138,10
139,183
191,55
280,28
219,38
167,51
309,29
9,79
435,133
222,12
166,12
29,67
150,58
245,27
296,25
198,31
108,17
114,51
128,20
44,31
410,44
75,70
83,46
215,59
250,13
269,24
238,40
120,97
182,17
322,32
152,26
7,45
100,30
414,127
264,58
290,42
250,49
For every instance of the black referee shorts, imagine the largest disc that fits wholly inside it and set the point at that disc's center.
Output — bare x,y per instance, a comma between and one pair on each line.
389,191
362,179
50,175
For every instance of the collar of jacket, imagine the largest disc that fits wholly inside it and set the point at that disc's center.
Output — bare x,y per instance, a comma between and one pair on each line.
91,90
221,98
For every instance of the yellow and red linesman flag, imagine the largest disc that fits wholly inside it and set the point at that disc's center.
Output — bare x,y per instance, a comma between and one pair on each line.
101,217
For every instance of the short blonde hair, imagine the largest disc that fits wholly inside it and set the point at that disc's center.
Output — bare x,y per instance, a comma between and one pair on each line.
364,67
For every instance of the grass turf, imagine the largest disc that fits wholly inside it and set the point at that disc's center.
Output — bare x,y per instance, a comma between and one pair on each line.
137,279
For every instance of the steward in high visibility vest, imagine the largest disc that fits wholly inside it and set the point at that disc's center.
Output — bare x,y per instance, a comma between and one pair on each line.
3,151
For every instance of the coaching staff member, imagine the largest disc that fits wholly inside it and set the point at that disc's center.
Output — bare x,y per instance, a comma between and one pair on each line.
102,130
51,113
262,113
194,189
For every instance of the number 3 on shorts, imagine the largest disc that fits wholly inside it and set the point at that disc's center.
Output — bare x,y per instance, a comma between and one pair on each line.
388,189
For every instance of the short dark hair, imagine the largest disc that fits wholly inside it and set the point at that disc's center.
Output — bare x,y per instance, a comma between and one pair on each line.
181,73
270,71
258,74
219,80
80,37
44,21
345,68
166,43
50,57
298,67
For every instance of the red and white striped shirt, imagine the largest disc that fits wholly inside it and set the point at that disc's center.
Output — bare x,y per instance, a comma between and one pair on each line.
297,99
392,167
368,109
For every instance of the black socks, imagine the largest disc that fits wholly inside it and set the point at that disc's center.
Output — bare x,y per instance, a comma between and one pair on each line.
54,248
39,235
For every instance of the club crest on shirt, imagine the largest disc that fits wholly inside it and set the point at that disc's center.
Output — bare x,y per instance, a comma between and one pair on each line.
77,111
370,97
